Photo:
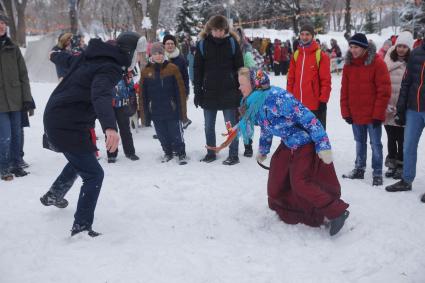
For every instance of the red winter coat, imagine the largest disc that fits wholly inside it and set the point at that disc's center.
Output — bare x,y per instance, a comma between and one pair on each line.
366,88
308,82
277,52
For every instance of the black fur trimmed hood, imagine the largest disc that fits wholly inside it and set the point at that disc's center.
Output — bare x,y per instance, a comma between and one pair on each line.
371,54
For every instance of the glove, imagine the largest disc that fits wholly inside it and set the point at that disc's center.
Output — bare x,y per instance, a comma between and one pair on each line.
400,119
326,156
27,106
376,123
261,157
197,100
322,107
349,120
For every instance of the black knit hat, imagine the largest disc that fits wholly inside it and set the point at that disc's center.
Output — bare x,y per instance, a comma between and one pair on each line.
4,18
360,40
308,28
218,22
169,37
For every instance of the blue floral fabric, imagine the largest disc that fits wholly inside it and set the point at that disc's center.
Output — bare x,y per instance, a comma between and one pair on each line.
284,116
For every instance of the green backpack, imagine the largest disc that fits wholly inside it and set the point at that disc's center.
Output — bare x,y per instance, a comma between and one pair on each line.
318,56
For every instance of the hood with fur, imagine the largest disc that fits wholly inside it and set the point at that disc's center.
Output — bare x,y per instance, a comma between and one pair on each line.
371,54
203,34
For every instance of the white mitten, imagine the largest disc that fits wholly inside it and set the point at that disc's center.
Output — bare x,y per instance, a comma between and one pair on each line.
326,156
261,157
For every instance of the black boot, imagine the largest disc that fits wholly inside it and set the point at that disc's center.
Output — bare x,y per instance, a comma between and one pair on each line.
182,159
50,199
398,174
400,186
423,198
354,174
210,157
231,160
377,181
337,223
167,157
77,228
112,159
390,172
248,150
19,172
132,157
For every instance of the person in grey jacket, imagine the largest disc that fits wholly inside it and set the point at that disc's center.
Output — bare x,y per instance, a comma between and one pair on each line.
15,97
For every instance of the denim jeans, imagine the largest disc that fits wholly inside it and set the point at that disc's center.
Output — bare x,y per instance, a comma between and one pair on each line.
415,123
170,135
88,168
360,136
10,140
210,118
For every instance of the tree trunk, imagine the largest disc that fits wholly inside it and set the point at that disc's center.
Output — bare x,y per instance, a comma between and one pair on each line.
21,27
137,12
153,13
348,16
8,6
73,15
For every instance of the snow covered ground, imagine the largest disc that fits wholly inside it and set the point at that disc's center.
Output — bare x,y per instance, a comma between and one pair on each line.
204,222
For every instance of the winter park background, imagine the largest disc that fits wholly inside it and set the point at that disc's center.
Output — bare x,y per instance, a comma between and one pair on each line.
202,222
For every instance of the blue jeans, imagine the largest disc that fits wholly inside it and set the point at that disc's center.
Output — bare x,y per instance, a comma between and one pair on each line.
360,136
415,123
10,140
88,168
170,135
210,118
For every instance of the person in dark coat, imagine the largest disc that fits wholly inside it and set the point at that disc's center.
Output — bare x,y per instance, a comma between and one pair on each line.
174,56
83,95
217,60
164,97
411,112
64,45
15,98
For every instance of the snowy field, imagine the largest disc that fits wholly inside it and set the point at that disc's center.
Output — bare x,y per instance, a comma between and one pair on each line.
204,223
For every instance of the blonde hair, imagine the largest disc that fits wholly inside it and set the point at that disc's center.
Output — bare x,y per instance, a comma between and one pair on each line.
244,72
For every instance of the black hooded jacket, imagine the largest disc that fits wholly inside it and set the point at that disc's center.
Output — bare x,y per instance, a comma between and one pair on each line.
82,96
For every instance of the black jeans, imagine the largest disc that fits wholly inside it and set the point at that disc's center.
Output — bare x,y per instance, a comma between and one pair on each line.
395,142
170,135
123,122
88,168
321,115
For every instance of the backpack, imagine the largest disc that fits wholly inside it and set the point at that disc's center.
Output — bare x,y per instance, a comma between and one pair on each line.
318,56
201,45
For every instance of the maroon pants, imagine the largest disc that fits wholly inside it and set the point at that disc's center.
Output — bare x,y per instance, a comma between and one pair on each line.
303,189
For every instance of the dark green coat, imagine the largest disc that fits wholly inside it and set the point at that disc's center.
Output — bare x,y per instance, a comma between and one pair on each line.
14,82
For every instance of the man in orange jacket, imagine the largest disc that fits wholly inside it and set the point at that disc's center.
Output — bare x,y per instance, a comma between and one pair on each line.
309,76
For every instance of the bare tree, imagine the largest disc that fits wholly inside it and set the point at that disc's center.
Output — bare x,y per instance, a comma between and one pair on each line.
15,10
137,12
152,11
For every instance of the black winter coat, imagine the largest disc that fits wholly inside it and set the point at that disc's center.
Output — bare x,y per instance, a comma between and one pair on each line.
412,92
180,62
61,70
84,94
216,78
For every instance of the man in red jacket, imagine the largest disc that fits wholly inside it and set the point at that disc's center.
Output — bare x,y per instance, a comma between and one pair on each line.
365,92
309,76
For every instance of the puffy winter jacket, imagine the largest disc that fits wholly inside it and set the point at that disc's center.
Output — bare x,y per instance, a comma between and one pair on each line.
285,117
396,70
366,87
309,82
412,92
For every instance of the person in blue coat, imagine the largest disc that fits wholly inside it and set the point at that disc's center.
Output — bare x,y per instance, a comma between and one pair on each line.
302,185
83,95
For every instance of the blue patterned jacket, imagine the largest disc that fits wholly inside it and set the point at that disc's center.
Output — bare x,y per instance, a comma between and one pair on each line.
285,117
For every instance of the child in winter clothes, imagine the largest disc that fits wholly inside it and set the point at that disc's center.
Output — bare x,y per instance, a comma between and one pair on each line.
164,96
302,185
396,60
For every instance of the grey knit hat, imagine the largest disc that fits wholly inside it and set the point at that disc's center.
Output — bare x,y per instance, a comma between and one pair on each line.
157,47
4,18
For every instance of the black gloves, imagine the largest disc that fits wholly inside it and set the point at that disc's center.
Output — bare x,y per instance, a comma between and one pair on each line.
400,119
28,106
322,107
197,100
376,123
349,120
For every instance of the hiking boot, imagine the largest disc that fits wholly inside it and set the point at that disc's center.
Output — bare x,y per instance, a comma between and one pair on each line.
167,157
377,181
132,157
354,174
337,223
398,174
6,176
23,164
400,186
182,159
112,159
210,157
19,172
248,151
50,199
231,160
77,228
390,162
390,172
423,198
186,123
